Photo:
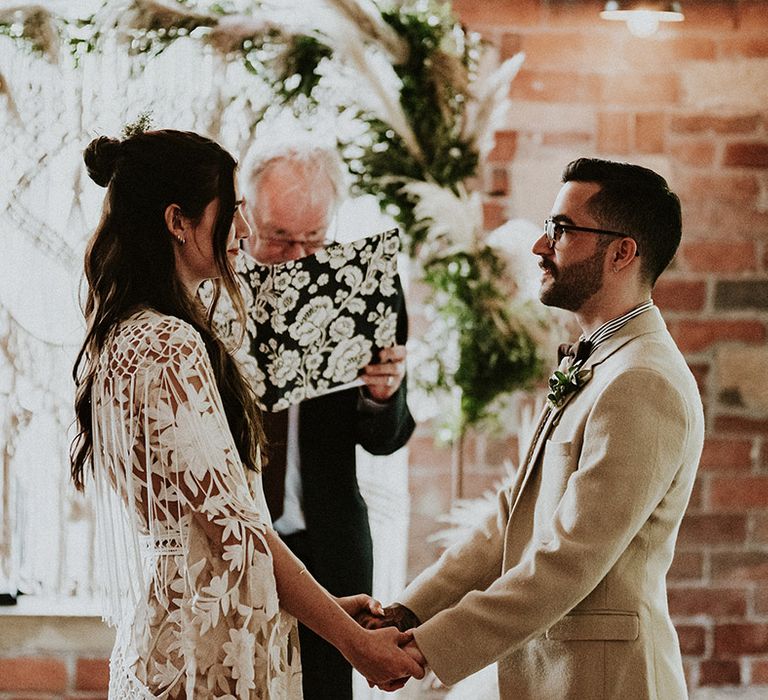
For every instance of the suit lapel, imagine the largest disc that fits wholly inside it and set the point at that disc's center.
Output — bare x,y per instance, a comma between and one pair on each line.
648,322
539,437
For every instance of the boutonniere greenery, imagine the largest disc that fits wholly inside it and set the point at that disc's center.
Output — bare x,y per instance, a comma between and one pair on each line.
569,381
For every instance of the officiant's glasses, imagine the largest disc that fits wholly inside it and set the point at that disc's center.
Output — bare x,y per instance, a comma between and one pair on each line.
554,229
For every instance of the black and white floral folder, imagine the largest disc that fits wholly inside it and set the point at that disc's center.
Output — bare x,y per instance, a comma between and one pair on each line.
314,323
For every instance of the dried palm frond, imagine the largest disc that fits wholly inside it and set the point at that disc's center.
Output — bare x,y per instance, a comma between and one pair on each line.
466,514
231,31
364,15
449,76
38,26
453,221
513,240
159,14
489,103
6,97
367,79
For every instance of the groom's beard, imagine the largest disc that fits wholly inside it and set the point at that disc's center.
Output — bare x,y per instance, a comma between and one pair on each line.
571,286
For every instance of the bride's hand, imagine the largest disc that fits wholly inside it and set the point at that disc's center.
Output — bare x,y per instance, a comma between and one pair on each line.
379,656
361,607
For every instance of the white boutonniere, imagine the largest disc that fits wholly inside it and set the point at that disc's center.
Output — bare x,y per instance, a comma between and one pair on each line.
568,381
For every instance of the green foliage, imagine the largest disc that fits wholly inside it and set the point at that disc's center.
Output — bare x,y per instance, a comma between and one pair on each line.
301,60
142,123
561,384
434,103
496,353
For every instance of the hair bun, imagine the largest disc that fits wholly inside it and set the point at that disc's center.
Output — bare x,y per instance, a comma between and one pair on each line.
100,157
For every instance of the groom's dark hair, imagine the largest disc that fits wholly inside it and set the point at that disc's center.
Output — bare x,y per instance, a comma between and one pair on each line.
636,201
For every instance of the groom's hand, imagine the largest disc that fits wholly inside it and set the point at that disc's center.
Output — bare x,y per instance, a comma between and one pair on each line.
395,615
412,649
379,656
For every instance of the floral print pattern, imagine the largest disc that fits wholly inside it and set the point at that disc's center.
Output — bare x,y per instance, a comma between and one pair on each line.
190,584
314,323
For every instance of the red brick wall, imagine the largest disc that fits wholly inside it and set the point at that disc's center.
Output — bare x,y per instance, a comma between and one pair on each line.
690,102
53,677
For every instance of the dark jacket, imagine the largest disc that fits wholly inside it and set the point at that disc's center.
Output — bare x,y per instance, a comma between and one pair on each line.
335,512
330,426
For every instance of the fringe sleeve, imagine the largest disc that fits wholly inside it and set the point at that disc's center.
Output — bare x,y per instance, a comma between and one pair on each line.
188,540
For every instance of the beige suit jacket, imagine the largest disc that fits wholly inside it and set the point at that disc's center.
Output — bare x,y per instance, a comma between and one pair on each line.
564,586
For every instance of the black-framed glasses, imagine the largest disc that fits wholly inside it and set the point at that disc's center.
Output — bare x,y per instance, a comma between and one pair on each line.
554,229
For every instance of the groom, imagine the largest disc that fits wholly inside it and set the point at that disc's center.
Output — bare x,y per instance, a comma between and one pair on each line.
564,585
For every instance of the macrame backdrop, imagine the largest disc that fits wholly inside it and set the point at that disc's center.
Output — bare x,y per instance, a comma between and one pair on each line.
49,110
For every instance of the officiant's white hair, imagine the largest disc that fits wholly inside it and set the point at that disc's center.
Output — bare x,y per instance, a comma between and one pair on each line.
318,164
314,150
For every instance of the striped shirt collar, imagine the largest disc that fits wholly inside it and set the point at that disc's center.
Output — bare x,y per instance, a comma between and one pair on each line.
605,331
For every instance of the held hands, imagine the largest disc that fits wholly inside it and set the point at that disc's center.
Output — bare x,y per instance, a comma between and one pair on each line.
385,659
383,378
412,649
385,653
395,615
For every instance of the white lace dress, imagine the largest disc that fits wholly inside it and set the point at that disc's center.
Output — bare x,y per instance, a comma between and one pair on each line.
189,577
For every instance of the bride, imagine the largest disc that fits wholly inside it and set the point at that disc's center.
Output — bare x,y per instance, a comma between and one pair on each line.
203,592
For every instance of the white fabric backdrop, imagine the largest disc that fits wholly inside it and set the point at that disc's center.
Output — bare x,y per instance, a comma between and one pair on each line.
48,206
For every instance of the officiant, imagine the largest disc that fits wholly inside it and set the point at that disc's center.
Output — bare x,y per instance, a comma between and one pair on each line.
310,480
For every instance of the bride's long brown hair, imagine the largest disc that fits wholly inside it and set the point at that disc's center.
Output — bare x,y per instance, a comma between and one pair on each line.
130,264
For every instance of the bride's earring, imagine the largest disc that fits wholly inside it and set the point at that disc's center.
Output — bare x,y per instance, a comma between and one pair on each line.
177,224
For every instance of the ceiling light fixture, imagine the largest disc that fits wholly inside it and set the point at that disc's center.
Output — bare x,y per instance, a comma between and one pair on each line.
643,16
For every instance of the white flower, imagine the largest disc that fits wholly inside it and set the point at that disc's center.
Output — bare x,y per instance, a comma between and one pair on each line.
356,306
233,553
278,322
365,255
232,526
391,242
240,652
301,279
351,275
281,281
287,300
297,395
284,367
347,358
218,588
313,361
369,286
336,255
281,404
341,328
311,320
384,335
259,313
387,286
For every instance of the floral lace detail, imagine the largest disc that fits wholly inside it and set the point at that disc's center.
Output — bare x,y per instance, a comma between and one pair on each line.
190,581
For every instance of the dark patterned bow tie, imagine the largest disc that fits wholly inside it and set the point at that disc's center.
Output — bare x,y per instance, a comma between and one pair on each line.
579,351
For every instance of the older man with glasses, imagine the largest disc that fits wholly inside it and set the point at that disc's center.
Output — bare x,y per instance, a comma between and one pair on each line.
310,480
